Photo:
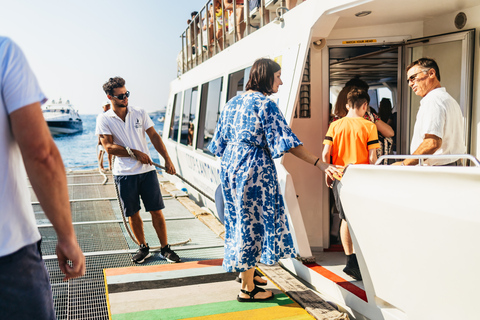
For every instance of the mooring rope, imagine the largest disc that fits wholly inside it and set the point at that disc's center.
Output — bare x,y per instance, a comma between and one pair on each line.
134,239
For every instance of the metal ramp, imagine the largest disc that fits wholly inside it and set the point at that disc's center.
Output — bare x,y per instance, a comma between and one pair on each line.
106,244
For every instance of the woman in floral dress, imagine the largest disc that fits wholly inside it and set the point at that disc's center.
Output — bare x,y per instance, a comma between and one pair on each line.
250,133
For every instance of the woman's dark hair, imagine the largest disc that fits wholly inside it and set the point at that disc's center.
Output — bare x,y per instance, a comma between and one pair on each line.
385,109
426,63
262,76
112,84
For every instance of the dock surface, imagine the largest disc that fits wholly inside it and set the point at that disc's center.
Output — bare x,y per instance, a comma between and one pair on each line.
108,249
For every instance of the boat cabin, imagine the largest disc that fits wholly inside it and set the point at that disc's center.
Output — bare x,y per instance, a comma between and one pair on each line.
320,46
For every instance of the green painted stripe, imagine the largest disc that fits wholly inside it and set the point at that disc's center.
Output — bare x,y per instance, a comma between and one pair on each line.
203,309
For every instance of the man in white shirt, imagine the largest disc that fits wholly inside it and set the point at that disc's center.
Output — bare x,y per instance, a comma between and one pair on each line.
122,133
27,148
439,127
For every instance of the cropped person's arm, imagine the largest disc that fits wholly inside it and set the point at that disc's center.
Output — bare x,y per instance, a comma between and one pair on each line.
160,147
46,172
302,153
384,129
372,156
326,157
429,145
119,151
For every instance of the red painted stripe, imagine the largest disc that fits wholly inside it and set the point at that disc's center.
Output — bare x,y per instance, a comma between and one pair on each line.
359,292
162,267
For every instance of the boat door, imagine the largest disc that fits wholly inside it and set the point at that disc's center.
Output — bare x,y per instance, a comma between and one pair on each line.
454,54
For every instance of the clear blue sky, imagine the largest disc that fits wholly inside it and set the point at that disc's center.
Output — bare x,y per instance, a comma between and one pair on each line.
75,46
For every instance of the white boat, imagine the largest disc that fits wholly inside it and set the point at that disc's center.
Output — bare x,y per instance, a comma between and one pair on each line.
61,117
414,228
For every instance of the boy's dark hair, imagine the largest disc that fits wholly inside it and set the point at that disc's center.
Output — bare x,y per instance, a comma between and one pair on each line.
357,97
262,76
112,84
427,63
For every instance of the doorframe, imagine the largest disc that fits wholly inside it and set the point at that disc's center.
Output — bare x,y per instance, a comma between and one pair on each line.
466,86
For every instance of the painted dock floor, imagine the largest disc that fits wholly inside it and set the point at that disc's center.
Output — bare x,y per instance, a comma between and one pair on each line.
106,244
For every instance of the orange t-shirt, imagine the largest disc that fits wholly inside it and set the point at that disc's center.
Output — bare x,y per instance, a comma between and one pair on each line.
351,138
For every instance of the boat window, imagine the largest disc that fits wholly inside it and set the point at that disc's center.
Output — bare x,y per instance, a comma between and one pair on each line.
209,112
188,119
302,109
237,82
173,134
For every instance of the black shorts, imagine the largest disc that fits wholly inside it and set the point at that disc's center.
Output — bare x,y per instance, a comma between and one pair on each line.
131,188
338,203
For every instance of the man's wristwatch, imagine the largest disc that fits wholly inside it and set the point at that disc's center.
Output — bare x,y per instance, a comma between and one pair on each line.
130,153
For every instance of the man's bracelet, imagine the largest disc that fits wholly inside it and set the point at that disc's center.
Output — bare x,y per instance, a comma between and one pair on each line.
130,153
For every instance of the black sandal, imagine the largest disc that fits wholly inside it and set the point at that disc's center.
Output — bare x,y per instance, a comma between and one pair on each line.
252,295
256,282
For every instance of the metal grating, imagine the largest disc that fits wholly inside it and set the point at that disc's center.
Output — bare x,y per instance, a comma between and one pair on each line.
85,298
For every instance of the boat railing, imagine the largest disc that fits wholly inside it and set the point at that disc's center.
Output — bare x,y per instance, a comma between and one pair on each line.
422,157
200,41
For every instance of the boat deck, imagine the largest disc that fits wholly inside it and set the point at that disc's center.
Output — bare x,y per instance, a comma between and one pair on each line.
107,246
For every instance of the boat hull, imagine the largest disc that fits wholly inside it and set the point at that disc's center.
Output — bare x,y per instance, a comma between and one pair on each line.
65,127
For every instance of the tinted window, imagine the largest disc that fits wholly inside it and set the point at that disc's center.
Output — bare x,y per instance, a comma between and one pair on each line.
237,82
173,134
188,118
209,112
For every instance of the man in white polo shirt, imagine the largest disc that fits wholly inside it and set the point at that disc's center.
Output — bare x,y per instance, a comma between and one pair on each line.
122,133
439,126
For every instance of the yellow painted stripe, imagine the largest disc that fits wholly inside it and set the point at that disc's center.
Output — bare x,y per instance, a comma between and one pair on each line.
286,312
106,295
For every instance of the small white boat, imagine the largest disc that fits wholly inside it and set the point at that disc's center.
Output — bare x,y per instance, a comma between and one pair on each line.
62,118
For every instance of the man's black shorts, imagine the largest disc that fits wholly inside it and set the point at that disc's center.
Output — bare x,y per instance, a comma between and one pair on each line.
131,188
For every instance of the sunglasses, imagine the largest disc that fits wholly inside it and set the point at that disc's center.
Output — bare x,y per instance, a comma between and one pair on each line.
122,96
413,77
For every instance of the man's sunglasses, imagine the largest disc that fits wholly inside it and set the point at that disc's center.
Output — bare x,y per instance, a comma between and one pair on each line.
122,96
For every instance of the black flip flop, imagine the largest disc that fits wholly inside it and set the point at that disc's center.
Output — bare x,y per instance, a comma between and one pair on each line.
256,282
252,295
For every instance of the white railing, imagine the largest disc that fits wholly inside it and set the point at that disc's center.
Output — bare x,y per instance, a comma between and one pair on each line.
204,36
422,157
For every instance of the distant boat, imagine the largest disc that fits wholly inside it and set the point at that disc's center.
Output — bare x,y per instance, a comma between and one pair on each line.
62,118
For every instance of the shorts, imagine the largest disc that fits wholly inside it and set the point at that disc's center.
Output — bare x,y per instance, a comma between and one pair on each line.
131,188
25,285
338,203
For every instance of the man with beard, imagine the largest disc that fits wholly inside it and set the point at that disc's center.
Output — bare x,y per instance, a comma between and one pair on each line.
122,133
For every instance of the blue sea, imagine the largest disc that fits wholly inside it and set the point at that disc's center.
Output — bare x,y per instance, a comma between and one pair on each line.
79,151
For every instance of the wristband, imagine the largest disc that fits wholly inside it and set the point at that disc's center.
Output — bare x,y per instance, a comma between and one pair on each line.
130,153
315,164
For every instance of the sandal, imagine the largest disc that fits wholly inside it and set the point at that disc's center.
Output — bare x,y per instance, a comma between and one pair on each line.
252,295
256,282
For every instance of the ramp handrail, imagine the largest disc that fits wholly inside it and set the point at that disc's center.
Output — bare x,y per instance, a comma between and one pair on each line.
422,157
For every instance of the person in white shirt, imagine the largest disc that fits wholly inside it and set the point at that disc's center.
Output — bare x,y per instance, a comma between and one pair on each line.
27,148
439,127
122,133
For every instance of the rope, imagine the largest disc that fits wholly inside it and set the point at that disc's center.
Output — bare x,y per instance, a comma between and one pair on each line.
134,239
185,180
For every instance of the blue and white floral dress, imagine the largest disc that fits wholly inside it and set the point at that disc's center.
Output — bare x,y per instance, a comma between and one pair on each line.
250,133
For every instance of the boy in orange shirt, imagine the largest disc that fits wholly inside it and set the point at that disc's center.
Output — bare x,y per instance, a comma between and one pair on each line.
350,140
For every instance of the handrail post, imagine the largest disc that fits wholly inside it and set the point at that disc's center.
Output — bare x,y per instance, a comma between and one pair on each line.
195,36
262,13
246,14
200,31
234,2
224,23
183,54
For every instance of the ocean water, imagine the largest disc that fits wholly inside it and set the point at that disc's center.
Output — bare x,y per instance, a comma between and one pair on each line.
79,151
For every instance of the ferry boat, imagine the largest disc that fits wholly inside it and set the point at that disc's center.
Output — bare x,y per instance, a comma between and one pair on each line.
414,228
61,117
